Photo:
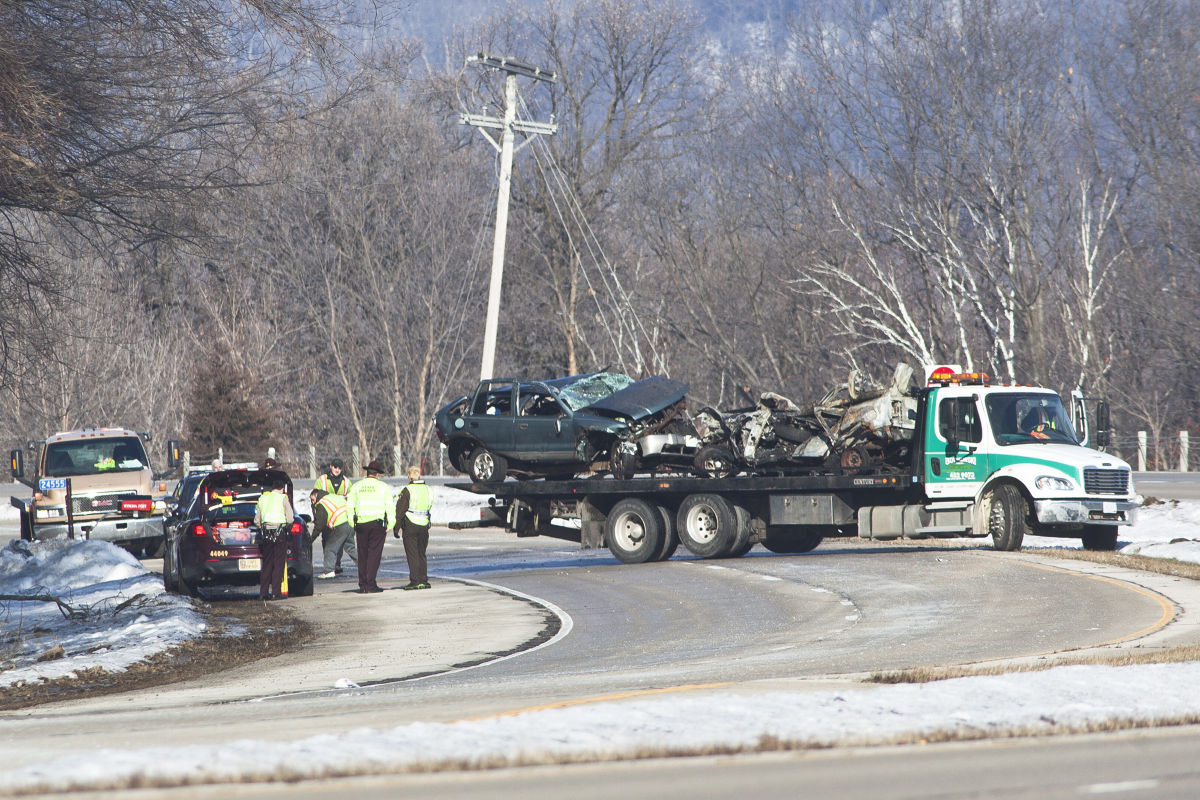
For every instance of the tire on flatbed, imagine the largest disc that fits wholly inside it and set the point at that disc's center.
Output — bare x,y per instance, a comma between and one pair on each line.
707,525
484,466
633,531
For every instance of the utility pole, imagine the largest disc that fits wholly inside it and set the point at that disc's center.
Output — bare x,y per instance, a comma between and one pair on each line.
507,126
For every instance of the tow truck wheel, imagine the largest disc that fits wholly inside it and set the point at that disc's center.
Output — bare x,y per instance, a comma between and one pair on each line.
741,540
792,539
670,541
634,531
486,467
1099,537
707,525
1008,517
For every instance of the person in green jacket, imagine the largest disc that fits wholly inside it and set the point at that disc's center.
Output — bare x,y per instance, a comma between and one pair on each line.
370,503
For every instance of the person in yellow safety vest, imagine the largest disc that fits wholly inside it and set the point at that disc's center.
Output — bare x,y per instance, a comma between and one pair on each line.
273,517
335,481
370,502
105,464
413,517
331,519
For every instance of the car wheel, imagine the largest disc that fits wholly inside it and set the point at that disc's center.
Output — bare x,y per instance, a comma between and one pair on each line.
715,461
623,463
299,586
485,466
707,525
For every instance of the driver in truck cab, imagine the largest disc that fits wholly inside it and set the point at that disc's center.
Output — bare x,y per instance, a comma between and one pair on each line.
1035,423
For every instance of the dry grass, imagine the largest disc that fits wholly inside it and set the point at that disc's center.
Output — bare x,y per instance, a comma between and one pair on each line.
1112,658
262,630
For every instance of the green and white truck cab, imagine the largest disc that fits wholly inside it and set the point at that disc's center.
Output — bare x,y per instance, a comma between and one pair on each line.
1006,461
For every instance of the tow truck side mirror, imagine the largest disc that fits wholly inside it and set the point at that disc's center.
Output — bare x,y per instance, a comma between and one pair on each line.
173,456
1103,434
17,461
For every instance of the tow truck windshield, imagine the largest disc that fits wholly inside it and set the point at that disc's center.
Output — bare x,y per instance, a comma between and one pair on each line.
1024,417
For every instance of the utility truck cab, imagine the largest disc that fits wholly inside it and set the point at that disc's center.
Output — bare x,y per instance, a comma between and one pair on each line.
1006,461
93,483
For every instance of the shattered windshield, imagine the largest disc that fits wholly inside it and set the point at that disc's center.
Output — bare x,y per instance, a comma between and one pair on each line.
1018,418
590,389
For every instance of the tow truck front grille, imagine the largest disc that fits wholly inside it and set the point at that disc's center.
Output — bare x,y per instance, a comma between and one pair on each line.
1105,481
99,504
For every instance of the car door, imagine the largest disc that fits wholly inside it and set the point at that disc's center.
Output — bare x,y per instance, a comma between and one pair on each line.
544,431
491,418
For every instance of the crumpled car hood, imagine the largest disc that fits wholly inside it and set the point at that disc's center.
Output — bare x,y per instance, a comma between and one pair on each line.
641,399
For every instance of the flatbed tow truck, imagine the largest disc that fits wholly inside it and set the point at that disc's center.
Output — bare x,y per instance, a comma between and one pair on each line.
998,461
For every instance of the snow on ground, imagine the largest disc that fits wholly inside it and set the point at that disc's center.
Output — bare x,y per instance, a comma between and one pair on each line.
1032,702
115,612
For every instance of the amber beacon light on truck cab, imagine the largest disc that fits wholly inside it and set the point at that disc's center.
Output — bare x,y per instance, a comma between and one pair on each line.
94,483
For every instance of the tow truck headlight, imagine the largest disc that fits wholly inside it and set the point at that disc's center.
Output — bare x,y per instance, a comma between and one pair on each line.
51,512
1049,483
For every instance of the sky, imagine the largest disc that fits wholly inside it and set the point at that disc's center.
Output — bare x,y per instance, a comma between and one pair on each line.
102,577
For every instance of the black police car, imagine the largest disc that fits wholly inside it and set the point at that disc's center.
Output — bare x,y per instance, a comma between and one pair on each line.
213,542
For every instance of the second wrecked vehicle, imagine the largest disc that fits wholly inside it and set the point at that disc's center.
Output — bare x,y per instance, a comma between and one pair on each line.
598,422
858,424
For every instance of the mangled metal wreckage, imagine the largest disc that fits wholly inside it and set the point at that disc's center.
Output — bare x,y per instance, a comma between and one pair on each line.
606,422
854,426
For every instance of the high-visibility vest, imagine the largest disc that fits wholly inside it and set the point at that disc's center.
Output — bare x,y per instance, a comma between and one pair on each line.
271,509
325,484
371,499
420,500
337,510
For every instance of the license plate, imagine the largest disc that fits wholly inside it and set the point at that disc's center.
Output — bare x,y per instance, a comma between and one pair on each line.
249,564
46,484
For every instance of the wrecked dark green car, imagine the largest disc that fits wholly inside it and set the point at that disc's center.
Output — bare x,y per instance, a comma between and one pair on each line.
599,422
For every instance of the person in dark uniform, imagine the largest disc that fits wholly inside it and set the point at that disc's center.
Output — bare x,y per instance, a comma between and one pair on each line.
413,518
370,503
273,517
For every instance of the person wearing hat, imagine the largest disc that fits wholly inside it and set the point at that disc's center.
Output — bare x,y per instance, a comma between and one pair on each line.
331,519
370,504
334,481
412,517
